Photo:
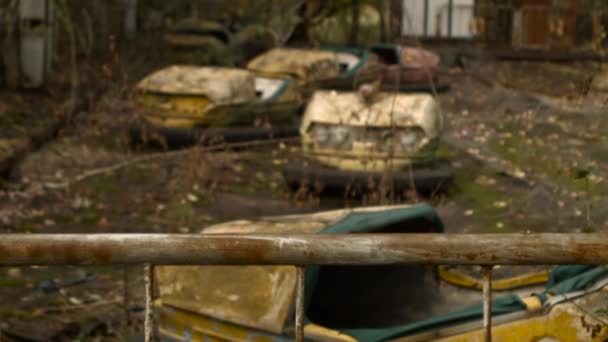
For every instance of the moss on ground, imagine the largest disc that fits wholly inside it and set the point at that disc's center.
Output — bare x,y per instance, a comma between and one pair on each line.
103,185
540,161
179,211
12,282
550,78
488,203
7,312
445,151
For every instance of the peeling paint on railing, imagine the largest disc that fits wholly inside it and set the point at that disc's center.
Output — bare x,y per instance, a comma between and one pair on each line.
320,249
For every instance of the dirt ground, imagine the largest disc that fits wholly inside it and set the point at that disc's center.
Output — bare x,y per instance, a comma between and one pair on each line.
528,142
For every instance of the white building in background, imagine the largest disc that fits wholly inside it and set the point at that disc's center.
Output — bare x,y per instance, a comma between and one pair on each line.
36,38
438,18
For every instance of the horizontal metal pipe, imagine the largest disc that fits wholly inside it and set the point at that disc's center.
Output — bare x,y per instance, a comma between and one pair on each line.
322,249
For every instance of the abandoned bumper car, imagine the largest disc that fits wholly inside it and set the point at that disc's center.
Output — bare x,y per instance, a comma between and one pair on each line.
336,68
184,105
369,140
400,68
408,68
369,303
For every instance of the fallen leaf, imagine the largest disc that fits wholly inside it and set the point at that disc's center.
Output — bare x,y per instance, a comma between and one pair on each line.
14,272
75,300
500,204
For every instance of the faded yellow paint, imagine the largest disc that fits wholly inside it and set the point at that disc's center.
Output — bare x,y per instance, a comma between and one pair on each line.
319,333
375,162
385,110
177,110
189,105
369,159
388,111
177,324
221,85
169,110
533,303
253,296
306,65
460,279
563,323
260,297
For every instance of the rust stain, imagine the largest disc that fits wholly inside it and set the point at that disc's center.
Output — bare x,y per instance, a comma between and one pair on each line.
585,253
250,250
71,254
471,256
273,249
68,255
102,254
34,252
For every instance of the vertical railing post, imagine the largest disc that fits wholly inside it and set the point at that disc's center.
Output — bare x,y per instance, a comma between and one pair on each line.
300,304
149,319
125,296
450,14
487,303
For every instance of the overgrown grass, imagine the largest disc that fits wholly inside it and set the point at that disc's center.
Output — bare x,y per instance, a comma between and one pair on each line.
542,161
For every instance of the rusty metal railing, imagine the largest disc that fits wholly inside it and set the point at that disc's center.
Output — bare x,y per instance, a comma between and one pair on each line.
302,250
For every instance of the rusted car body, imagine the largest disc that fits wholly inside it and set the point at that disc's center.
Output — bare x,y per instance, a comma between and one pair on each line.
182,105
399,68
356,141
335,68
408,68
368,303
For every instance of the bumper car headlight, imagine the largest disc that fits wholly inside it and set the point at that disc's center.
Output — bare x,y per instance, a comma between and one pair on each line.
320,134
401,140
407,140
332,136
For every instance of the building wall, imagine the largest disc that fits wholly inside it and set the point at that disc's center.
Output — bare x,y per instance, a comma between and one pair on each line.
542,24
431,18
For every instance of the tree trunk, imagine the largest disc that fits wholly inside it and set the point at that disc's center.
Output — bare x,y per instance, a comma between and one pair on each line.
395,16
103,30
130,19
354,29
11,61
382,12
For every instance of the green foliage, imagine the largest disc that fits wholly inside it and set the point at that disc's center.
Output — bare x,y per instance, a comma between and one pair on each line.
335,29
588,229
9,282
179,211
